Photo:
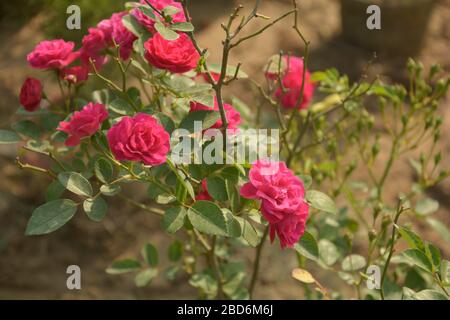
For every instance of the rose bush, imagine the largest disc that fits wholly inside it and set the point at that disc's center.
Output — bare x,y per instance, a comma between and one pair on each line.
98,143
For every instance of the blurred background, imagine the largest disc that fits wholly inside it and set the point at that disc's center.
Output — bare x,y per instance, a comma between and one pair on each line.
35,267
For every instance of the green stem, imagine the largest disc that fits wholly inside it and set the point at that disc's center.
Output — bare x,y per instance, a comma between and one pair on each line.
257,262
391,250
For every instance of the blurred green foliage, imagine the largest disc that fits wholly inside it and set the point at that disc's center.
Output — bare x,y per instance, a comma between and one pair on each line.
20,11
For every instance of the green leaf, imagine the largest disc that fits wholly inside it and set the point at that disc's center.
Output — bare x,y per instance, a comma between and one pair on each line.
217,188
440,228
175,251
233,226
418,258
76,183
429,295
165,32
233,194
426,206
166,122
249,232
173,219
50,217
353,262
307,247
320,201
170,10
54,191
130,22
206,99
303,276
182,26
110,190
413,239
231,174
328,252
434,255
95,208
154,190
445,271
103,170
8,137
172,272
207,218
27,128
148,12
124,266
121,107
150,254
144,277
205,282
207,118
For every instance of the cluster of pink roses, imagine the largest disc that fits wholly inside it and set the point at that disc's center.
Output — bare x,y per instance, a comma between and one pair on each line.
140,138
177,56
282,196
288,92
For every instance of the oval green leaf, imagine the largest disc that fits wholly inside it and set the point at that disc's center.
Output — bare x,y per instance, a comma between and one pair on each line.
50,217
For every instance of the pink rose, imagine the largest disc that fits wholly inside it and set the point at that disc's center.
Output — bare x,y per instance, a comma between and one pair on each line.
282,199
177,56
139,138
122,36
31,94
203,194
52,54
149,23
75,74
93,45
290,229
292,82
83,123
233,117
106,26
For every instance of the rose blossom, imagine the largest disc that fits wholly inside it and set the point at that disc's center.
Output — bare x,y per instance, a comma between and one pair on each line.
282,199
52,54
292,81
149,23
83,123
93,45
122,36
233,116
75,74
139,138
290,229
31,94
203,194
106,26
177,56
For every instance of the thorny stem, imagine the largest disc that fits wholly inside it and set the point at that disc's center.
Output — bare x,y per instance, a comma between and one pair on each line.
26,166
